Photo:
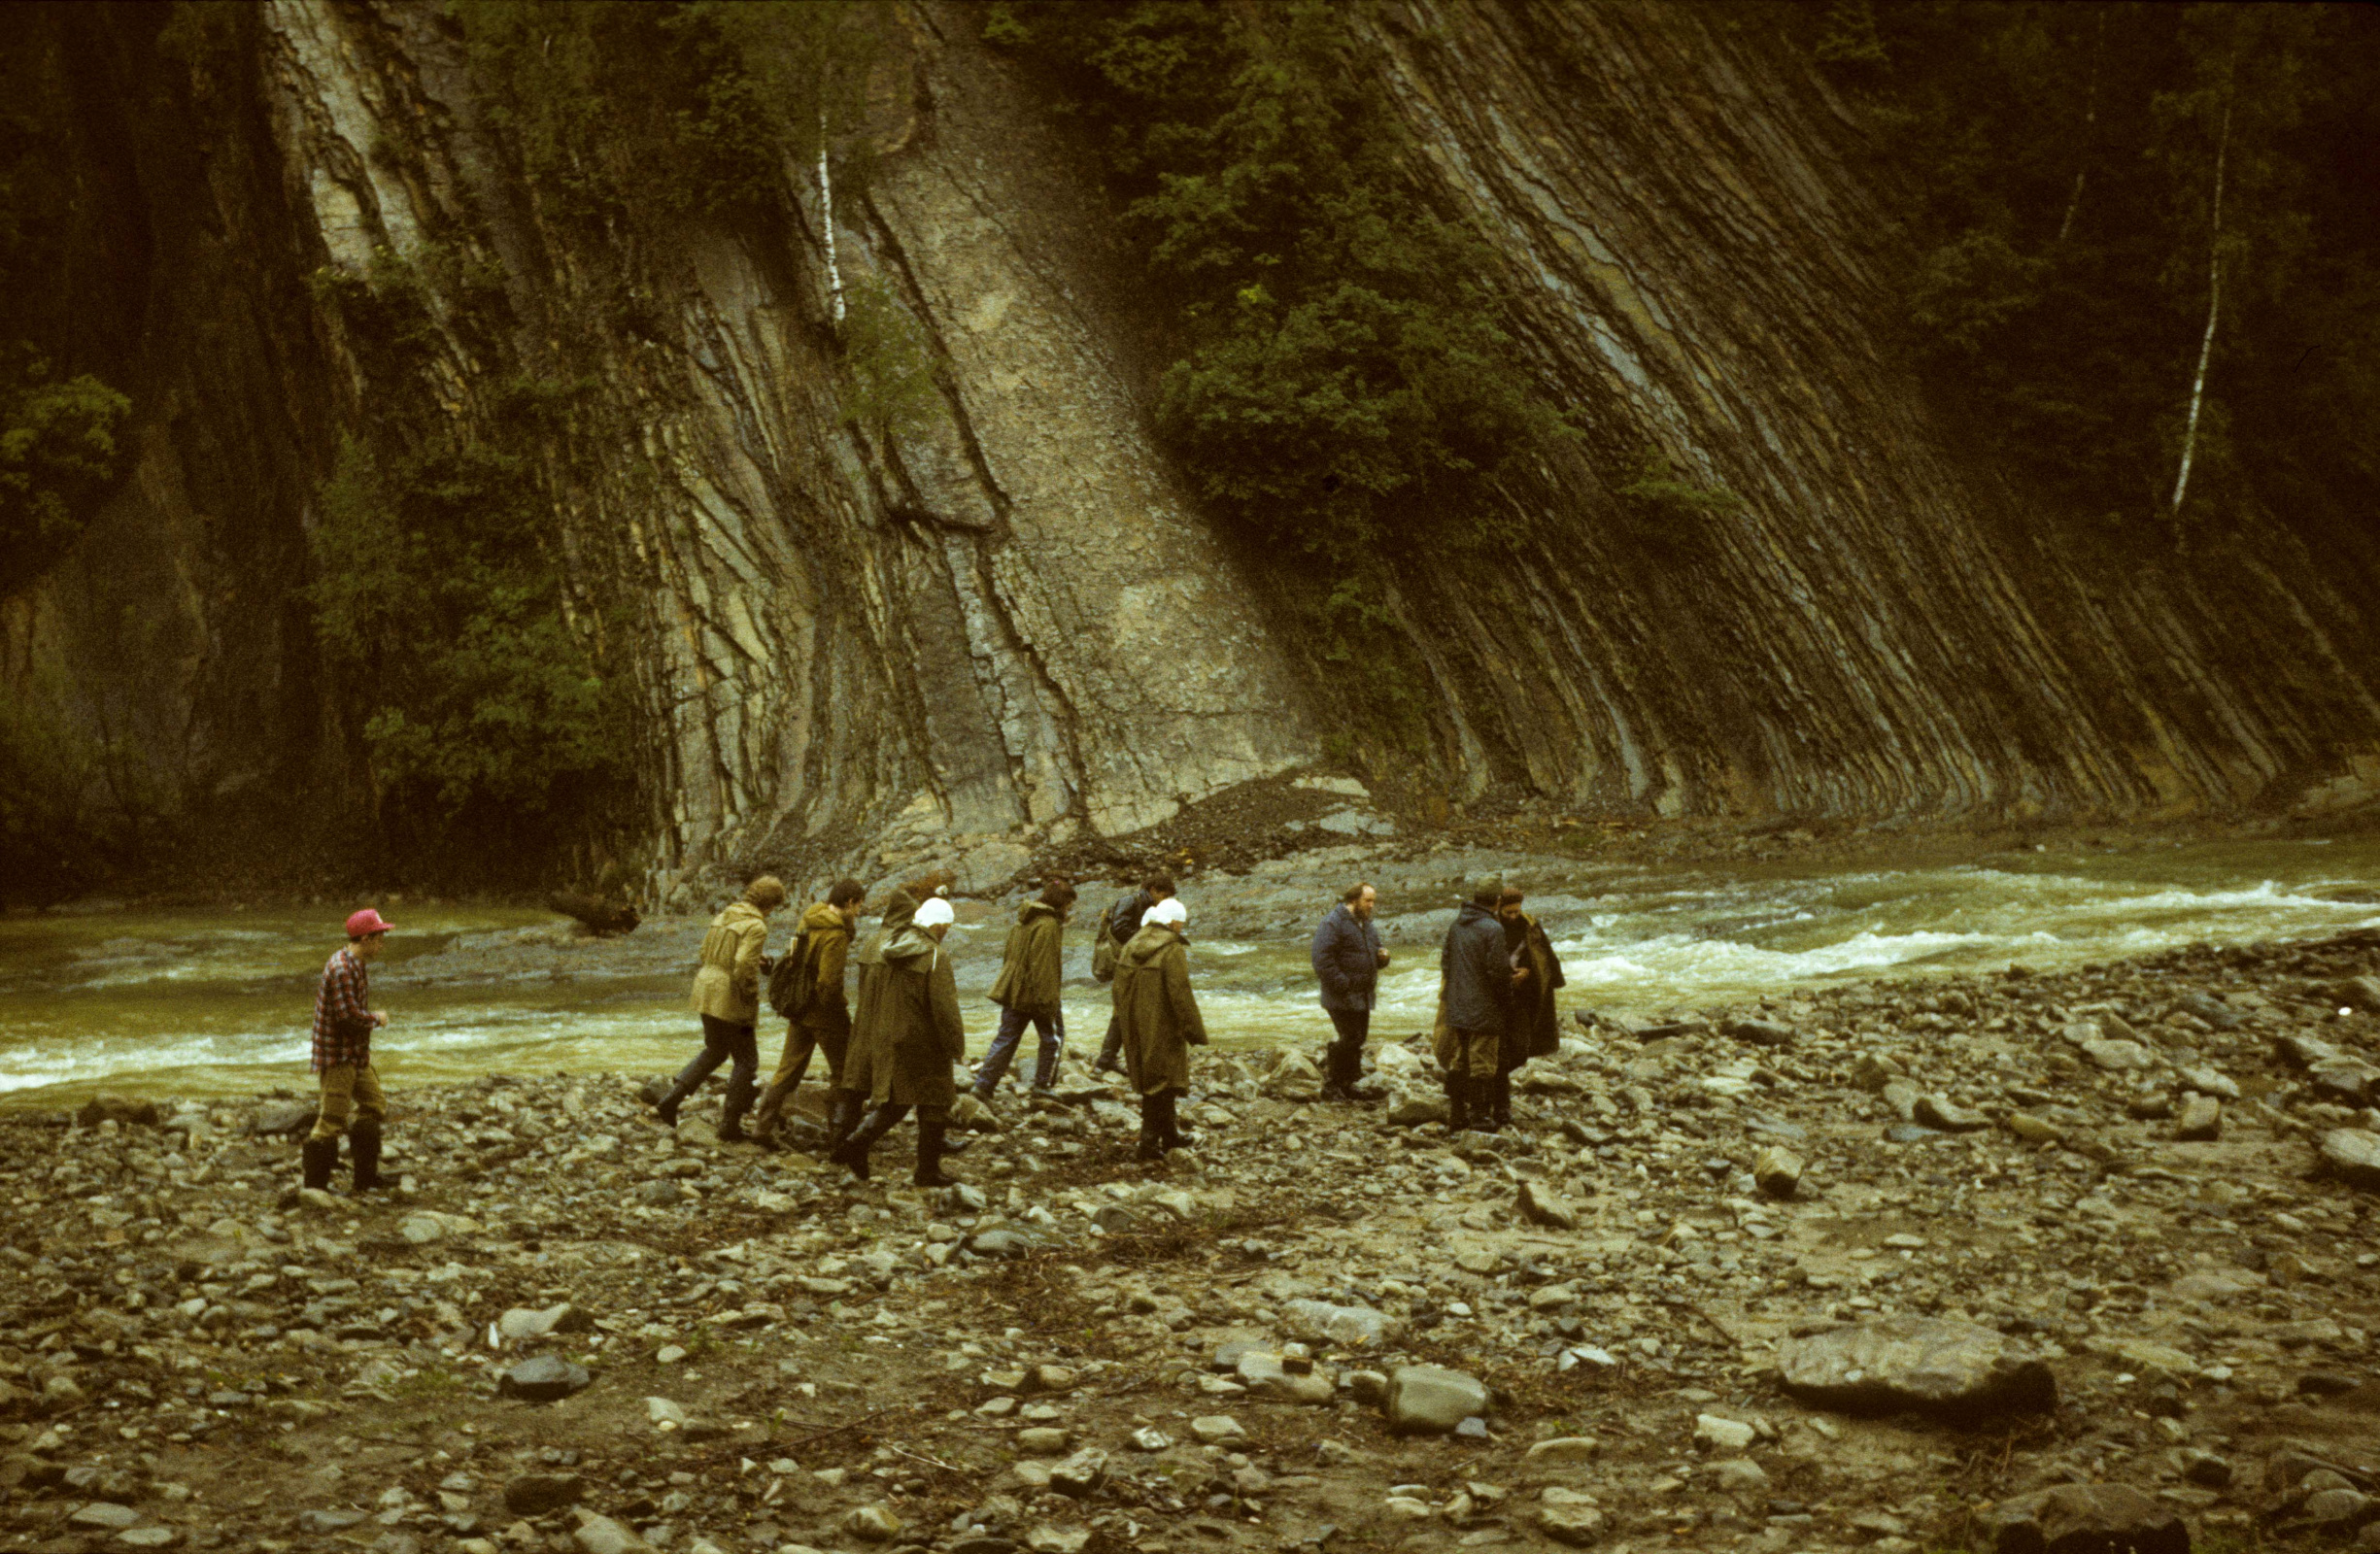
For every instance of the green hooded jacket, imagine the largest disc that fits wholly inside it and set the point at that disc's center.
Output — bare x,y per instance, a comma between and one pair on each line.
1029,967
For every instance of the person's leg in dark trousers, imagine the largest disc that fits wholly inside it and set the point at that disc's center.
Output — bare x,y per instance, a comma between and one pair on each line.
744,1050
995,1065
689,1078
1052,1029
1352,1028
1111,1051
800,1042
854,1152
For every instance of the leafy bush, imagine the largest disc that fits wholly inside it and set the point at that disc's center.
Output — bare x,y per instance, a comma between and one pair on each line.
58,457
1340,382
440,596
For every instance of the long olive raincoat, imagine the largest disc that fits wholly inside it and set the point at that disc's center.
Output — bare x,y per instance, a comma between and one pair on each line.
1160,1016
907,1032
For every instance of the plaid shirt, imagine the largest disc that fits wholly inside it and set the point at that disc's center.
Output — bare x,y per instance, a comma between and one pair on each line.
342,1014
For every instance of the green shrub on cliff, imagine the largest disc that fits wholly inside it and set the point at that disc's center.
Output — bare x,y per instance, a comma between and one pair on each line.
439,593
1340,380
57,455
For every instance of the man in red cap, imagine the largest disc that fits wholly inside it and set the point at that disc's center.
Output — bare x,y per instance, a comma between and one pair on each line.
342,1025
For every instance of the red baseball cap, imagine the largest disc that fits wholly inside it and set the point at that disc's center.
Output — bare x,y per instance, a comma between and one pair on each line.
366,922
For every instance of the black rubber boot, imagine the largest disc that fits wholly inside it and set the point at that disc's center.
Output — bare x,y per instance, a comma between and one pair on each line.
364,1147
1483,1106
1458,1102
1503,1112
854,1151
731,1115
1168,1123
666,1108
319,1159
844,1112
931,1139
1152,1130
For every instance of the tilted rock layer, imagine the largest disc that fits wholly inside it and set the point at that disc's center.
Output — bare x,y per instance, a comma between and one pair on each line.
1011,616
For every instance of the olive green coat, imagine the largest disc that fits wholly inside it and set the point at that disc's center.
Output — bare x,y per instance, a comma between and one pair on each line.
907,1032
728,987
1160,1016
1030,971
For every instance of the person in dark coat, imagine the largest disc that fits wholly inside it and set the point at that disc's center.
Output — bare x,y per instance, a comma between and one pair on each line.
905,1038
1347,961
1530,1028
1474,979
1121,923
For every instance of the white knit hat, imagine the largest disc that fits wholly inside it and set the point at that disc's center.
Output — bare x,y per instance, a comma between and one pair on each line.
933,913
1170,911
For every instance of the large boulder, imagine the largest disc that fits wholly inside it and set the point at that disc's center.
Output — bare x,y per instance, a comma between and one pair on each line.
1432,1400
123,1110
2088,1519
2352,1155
1411,1105
1952,1370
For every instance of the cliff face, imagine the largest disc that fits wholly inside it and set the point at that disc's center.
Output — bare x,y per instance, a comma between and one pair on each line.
1007,620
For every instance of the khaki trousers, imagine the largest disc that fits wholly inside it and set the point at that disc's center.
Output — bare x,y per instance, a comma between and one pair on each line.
350,1091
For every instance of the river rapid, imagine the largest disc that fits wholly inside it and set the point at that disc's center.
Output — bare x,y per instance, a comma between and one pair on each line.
217,1003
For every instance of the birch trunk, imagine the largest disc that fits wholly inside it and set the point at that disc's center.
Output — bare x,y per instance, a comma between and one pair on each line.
2091,127
2214,303
826,201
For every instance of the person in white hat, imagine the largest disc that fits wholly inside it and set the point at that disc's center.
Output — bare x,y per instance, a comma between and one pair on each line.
1161,1023
905,1038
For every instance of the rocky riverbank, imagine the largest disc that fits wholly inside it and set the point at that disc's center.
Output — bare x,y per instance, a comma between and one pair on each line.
1951,1265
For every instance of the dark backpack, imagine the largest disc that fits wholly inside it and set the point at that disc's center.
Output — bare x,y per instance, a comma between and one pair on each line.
792,988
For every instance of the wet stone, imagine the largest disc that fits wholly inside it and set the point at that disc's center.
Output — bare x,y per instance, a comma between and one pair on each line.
1431,1400
2073,1518
546,1378
1948,1369
2202,1119
1778,1171
2352,1155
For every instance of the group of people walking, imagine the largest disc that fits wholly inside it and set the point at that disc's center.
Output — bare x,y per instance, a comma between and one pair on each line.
896,1050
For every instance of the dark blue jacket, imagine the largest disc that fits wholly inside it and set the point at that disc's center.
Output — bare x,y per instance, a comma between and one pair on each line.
1346,960
1477,971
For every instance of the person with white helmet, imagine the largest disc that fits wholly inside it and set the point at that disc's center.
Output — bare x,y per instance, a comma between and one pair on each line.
1161,1023
906,1035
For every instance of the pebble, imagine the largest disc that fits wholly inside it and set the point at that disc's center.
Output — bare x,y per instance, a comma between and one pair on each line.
544,1379
1432,1400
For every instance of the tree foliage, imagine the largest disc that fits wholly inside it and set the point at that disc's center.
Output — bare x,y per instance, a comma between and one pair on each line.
2057,166
58,457
438,594
1339,375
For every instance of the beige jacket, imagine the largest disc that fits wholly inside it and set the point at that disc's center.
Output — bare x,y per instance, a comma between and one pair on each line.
728,987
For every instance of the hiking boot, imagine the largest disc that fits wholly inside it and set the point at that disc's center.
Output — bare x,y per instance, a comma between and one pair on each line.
364,1147
318,1159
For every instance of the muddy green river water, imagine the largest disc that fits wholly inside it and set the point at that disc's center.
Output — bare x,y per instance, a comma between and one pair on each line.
217,1003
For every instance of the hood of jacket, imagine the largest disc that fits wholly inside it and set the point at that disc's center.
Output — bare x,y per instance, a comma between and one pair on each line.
911,948
821,916
1034,909
1152,941
1473,914
899,911
737,913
